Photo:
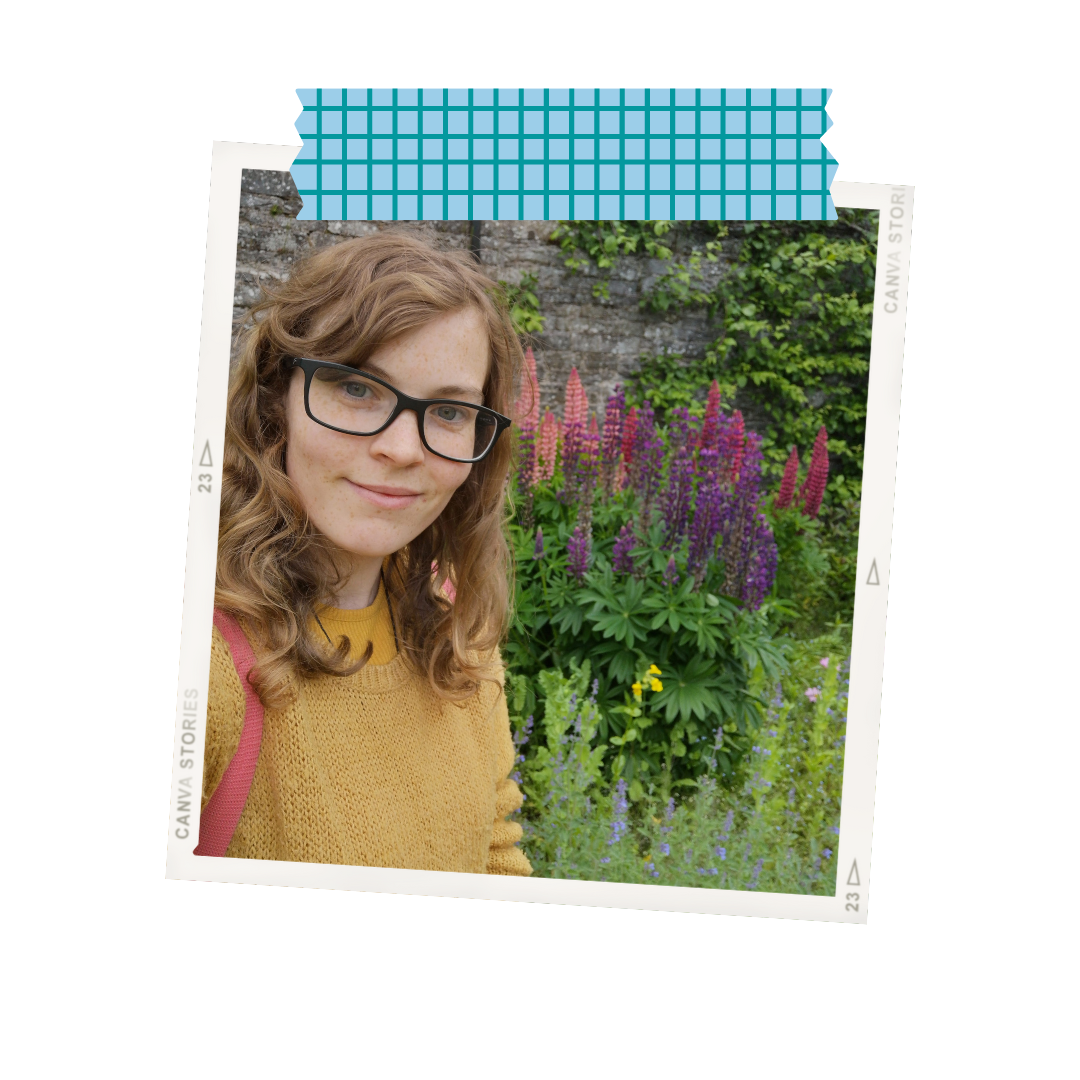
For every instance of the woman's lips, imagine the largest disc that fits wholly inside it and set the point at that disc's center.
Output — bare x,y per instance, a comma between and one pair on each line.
384,498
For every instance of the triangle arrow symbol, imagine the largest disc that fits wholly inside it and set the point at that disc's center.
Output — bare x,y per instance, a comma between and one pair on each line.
205,462
873,579
853,877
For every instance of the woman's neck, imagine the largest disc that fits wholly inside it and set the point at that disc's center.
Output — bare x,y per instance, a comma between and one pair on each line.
361,586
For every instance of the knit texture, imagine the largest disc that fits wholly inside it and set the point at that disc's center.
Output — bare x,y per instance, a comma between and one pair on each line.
372,769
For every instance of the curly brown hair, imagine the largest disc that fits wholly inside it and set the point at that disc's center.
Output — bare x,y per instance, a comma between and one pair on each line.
274,569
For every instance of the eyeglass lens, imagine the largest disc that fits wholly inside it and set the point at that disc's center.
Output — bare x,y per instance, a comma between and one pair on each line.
353,403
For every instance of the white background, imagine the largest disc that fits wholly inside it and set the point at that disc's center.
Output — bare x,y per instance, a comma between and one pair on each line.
110,114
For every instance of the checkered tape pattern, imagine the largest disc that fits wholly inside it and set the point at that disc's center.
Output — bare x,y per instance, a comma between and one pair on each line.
517,155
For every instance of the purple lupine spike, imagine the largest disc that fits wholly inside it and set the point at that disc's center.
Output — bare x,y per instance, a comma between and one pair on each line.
740,526
762,570
538,550
678,496
648,456
708,510
679,428
625,543
579,550
671,574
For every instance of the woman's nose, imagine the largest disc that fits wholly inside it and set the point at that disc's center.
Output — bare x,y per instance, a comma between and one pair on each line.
401,440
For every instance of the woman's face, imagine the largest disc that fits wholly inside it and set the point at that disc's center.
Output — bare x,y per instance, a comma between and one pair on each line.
372,494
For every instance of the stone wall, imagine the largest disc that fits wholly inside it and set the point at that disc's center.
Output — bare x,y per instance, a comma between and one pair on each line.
604,339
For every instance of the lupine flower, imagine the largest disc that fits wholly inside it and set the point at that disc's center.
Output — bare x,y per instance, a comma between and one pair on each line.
813,488
677,497
761,572
629,435
611,448
576,409
579,550
538,550
710,425
789,481
679,428
740,520
547,443
706,523
527,406
648,456
731,444
625,543
671,574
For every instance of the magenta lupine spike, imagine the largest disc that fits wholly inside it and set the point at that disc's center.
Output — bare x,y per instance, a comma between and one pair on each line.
613,426
710,425
789,481
736,444
547,445
526,477
629,435
625,543
813,489
579,549
678,495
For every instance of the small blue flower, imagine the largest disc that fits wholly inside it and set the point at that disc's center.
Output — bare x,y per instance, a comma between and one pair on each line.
665,849
606,859
836,829
827,853
721,853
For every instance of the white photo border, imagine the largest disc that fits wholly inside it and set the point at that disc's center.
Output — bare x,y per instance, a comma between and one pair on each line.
868,641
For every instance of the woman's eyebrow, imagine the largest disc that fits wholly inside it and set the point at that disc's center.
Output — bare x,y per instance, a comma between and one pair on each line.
453,390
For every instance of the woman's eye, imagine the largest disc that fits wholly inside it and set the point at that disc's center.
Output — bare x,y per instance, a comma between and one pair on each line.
357,390
450,414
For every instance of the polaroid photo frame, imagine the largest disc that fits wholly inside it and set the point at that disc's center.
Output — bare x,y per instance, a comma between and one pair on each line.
850,902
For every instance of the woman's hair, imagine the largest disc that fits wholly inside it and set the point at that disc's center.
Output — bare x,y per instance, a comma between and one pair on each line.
274,569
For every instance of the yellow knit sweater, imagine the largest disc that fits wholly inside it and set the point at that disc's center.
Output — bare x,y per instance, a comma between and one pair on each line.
372,769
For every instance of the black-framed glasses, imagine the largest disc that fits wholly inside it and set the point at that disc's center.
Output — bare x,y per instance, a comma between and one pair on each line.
356,402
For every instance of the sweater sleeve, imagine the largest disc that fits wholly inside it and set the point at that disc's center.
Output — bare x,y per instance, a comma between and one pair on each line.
504,856
225,705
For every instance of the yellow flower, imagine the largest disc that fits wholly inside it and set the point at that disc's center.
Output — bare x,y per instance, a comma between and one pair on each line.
656,684
654,670
637,690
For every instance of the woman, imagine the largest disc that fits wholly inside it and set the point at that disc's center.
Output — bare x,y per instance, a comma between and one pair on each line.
362,552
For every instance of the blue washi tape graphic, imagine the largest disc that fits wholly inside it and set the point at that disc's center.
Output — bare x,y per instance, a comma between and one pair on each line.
504,155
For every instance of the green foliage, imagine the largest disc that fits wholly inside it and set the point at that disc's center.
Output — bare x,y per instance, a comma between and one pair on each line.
706,646
599,243
524,305
774,830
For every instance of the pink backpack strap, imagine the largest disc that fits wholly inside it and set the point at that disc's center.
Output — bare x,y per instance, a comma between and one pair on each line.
222,813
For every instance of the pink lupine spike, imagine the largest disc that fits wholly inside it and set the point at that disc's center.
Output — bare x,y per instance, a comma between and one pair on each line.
547,446
789,481
813,489
576,409
527,407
